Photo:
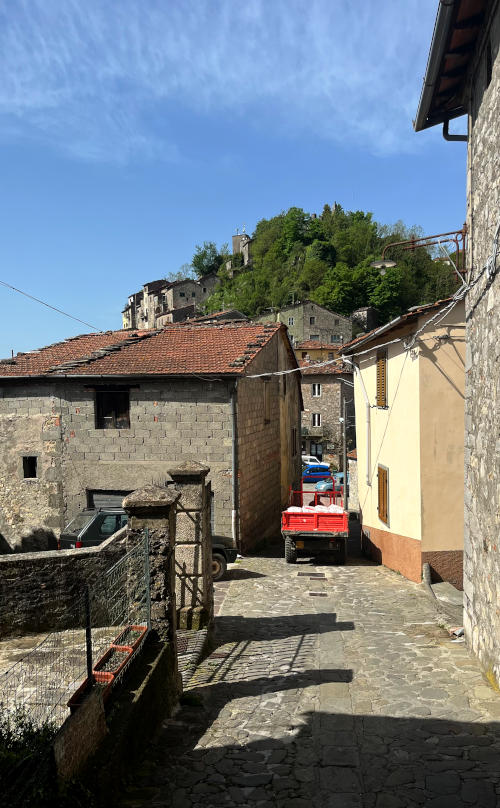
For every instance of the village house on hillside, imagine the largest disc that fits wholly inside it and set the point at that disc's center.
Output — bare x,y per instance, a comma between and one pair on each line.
88,420
463,78
310,321
409,396
162,302
324,392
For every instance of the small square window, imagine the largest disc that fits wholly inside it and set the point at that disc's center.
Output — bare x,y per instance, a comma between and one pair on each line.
182,294
290,321
336,322
30,464
193,294
315,337
312,320
204,289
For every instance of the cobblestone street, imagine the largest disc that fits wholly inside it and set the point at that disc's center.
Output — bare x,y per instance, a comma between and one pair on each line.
337,690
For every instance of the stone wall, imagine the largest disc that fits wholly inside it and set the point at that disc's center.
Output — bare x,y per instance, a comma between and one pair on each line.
326,323
169,422
42,591
482,406
329,405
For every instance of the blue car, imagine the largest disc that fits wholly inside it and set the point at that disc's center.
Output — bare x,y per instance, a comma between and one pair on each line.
314,473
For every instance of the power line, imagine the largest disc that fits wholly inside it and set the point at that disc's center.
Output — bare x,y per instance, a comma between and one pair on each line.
54,308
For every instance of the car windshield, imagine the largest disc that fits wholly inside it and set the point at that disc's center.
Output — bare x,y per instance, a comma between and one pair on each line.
79,522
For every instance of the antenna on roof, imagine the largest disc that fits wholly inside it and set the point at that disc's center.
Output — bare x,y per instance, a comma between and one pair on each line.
243,230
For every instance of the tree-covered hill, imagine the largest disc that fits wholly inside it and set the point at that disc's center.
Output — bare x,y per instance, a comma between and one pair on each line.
325,258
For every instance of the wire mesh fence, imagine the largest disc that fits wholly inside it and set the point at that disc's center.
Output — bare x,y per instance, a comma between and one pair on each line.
111,617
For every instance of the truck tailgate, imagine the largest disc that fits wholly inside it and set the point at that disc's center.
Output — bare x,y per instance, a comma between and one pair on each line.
314,522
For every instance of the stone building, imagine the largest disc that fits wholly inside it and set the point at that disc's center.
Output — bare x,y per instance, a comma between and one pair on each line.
463,78
311,349
90,419
324,390
409,394
310,321
162,302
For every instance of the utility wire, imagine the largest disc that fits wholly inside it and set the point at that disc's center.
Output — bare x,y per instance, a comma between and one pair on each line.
54,308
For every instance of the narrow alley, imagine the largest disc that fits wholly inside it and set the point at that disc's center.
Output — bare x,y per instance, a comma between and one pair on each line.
331,687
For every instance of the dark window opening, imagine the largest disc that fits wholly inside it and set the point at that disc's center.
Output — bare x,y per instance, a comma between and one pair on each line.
29,467
112,409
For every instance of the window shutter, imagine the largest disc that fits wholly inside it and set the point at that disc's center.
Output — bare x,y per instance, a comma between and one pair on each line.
381,379
383,511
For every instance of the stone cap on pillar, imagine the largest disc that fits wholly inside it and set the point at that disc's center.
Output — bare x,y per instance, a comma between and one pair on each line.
151,496
188,469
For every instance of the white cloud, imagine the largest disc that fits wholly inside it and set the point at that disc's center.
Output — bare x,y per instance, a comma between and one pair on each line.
102,78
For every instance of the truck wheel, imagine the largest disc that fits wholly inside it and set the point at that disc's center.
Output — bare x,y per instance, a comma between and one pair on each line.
219,566
290,551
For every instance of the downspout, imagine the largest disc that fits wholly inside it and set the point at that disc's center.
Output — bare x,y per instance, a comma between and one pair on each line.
234,469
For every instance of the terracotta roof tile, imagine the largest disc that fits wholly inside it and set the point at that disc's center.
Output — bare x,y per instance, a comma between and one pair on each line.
181,349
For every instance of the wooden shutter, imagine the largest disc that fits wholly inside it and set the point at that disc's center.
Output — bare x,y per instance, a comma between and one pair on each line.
383,494
381,379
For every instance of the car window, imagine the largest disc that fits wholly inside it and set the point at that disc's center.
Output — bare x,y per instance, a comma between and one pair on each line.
110,524
123,519
79,522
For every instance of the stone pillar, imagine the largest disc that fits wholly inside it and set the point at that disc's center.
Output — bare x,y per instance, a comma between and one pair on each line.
193,547
154,508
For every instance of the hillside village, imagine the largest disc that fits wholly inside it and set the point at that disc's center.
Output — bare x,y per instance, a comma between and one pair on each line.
313,414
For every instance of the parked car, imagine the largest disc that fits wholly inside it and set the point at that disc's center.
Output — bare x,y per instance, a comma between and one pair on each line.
310,460
91,527
223,553
327,485
312,474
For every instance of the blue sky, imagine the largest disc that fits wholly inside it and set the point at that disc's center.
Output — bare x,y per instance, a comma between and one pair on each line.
131,131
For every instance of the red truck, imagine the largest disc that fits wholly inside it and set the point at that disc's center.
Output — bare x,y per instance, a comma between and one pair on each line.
314,521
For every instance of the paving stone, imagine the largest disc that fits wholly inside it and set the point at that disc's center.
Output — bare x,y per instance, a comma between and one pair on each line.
357,700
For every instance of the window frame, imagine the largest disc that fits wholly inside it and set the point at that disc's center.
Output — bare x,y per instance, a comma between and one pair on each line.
25,466
317,393
316,416
383,494
291,321
312,320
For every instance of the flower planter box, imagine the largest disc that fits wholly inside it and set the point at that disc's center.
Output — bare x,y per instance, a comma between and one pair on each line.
102,679
131,637
113,660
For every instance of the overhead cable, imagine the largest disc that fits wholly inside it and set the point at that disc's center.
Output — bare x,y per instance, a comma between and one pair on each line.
54,308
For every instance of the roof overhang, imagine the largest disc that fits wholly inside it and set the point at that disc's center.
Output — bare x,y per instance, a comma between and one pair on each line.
458,27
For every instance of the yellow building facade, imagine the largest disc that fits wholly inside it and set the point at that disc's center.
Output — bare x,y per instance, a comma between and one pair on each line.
409,398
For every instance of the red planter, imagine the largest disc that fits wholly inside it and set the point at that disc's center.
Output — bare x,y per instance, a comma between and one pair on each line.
123,639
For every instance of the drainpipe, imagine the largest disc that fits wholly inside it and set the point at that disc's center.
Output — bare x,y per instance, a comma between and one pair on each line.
234,470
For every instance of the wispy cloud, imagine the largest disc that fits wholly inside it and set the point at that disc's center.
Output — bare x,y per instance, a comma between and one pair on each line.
103,79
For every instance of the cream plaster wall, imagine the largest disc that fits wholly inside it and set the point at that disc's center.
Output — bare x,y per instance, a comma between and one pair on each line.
395,441
442,382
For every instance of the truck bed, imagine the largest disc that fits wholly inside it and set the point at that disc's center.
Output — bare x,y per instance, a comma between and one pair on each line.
314,522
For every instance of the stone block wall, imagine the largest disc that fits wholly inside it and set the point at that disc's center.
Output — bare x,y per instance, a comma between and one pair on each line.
329,405
169,422
326,323
482,394
42,591
193,547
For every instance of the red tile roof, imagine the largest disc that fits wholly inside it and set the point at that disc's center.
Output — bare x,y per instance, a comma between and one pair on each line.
315,345
310,367
180,349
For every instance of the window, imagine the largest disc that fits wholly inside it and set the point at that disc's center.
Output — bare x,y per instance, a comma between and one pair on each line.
112,409
383,494
193,294
294,441
315,337
316,419
290,321
330,354
182,294
204,289
335,338
267,401
381,378
29,467
317,450
312,320
316,390
336,322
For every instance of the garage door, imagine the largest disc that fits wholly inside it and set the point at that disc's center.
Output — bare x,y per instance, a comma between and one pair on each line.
99,498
